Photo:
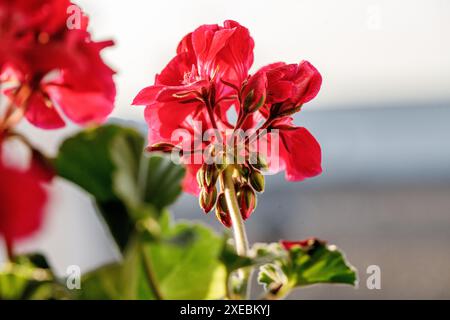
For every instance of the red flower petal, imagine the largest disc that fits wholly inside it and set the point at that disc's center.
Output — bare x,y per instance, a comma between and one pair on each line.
280,91
43,114
81,107
301,153
307,83
190,184
177,70
236,59
147,96
164,118
207,41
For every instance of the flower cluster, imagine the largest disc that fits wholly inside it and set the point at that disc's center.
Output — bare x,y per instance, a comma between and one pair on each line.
48,72
210,76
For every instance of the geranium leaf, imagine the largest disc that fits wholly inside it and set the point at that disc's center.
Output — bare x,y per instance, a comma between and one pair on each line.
310,262
321,263
189,269
108,162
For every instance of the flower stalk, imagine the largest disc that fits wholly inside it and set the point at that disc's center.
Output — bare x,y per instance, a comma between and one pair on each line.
150,275
239,233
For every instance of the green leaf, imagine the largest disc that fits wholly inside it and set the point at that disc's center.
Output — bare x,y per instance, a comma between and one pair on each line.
163,183
108,162
232,260
86,159
272,277
184,264
310,263
29,277
321,263
104,283
260,253
191,270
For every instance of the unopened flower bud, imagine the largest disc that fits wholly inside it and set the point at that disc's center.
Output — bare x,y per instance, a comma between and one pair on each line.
222,212
254,92
161,147
256,180
200,175
207,199
211,175
207,176
247,201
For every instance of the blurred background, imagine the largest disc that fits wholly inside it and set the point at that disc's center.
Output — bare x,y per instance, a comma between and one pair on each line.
382,118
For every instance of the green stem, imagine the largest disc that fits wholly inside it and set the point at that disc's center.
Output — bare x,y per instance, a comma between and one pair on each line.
240,236
148,267
150,274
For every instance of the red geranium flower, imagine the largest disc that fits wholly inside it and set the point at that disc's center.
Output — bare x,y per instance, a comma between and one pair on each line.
289,86
209,75
54,70
22,202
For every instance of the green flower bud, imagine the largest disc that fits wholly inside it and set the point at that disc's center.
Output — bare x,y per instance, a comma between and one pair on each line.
256,180
244,171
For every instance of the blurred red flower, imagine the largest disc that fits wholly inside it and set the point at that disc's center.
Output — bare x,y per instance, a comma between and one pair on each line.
54,70
22,201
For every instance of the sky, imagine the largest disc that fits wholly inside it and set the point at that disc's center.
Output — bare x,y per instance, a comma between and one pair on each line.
370,52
